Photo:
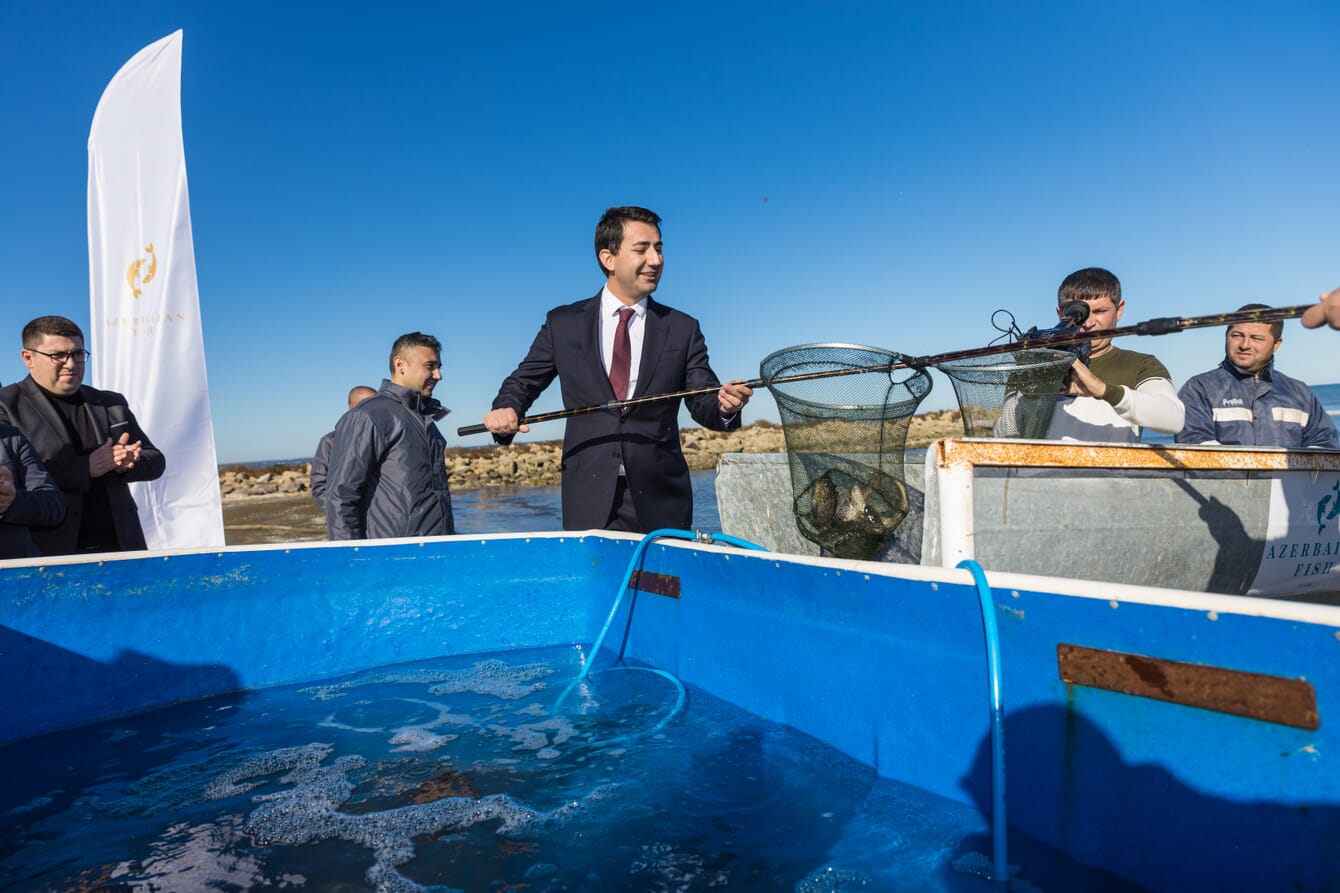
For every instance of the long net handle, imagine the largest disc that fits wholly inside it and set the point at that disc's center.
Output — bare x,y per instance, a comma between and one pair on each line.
1166,325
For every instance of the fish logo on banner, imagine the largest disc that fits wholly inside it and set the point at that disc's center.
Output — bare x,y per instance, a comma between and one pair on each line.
141,271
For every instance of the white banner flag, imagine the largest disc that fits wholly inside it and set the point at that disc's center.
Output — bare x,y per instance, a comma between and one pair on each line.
145,319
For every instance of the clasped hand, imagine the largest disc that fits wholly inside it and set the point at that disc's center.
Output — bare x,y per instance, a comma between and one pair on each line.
120,456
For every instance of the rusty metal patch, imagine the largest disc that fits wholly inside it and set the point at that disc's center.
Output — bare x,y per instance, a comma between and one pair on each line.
1038,454
1289,702
656,584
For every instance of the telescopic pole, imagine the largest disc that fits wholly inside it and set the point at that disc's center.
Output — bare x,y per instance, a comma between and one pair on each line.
1165,325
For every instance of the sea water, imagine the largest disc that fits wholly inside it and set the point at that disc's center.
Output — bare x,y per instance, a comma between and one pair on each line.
471,774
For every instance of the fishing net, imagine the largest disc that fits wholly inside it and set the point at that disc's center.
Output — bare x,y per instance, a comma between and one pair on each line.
846,427
1008,395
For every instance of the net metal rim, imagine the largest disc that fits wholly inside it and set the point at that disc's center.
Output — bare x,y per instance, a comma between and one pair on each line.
1058,357
914,373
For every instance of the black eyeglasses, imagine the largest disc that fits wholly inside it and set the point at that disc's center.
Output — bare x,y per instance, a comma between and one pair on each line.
78,357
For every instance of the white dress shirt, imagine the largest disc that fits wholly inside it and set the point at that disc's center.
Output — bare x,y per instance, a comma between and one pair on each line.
609,323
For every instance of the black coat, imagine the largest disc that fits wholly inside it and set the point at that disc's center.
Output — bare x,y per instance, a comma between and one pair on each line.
388,474
37,500
25,407
674,358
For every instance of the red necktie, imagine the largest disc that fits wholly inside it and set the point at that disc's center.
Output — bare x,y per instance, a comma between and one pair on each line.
623,356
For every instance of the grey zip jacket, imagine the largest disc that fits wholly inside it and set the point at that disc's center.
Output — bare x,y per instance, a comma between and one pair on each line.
388,477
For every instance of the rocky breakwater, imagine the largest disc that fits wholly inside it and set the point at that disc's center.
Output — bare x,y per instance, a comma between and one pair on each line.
537,464
239,481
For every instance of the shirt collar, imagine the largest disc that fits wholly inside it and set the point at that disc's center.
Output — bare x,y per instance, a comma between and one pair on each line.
609,305
1266,373
428,407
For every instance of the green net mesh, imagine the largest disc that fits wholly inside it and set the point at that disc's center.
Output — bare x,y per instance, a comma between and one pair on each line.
1008,395
846,427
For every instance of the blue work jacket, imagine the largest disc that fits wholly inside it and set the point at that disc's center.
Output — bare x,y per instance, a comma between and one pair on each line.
1236,408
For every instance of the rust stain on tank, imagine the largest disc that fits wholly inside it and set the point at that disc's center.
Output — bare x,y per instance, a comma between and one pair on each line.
1275,699
1047,454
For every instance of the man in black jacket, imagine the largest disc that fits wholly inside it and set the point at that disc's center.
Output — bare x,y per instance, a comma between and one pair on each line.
388,473
321,459
88,439
622,470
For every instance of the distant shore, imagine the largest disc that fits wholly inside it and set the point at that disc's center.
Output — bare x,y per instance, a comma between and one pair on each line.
537,464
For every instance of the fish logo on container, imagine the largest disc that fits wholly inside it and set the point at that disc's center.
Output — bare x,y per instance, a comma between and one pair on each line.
1328,508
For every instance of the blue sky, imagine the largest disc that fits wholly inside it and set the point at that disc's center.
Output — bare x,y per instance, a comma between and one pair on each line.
886,174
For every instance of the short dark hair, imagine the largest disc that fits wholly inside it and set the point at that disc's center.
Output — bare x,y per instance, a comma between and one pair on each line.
1276,325
412,339
49,325
1088,284
609,231
354,399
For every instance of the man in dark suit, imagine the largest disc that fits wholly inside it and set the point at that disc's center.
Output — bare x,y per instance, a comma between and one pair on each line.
622,470
88,439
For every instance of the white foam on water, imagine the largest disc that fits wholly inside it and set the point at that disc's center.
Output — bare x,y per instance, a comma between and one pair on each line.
395,677
286,759
212,778
420,740
489,677
537,736
309,811
444,716
493,677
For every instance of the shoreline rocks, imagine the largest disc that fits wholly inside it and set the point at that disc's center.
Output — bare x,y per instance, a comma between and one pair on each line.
537,464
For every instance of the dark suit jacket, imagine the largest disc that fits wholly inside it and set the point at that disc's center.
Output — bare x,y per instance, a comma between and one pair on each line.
674,358
37,500
25,407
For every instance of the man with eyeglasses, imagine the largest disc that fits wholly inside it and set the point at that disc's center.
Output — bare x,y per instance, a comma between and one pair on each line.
88,439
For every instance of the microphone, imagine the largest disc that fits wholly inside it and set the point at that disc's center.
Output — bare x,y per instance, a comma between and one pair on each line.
1076,312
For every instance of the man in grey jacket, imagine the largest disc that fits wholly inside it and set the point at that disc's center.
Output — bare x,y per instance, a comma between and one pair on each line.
388,475
321,459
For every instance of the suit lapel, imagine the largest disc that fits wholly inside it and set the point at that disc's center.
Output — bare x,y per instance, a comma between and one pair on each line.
98,413
42,408
590,346
655,329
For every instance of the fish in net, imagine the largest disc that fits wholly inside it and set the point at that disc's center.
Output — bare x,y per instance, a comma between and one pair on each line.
845,413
